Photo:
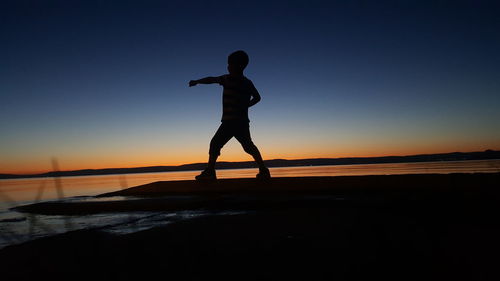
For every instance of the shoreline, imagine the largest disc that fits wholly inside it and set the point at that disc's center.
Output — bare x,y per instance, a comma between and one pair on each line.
428,226
274,163
157,196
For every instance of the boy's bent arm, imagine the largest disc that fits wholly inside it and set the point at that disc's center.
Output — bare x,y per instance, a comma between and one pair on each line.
255,99
206,80
255,95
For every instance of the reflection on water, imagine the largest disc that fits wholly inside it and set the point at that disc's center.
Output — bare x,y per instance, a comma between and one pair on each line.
37,226
16,227
23,191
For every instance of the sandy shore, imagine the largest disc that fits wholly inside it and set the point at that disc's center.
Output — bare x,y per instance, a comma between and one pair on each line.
318,228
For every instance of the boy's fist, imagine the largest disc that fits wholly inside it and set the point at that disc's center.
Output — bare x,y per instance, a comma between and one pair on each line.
192,83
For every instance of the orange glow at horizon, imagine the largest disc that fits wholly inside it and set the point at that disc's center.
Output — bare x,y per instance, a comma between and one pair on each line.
232,153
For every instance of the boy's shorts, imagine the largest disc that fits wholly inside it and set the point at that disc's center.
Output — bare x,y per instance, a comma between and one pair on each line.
228,129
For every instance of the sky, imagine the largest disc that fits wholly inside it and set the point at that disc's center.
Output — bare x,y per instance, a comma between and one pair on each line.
104,84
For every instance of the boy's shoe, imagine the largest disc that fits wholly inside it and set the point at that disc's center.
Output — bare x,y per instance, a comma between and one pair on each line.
206,175
264,174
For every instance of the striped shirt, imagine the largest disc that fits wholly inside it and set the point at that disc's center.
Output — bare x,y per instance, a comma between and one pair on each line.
236,96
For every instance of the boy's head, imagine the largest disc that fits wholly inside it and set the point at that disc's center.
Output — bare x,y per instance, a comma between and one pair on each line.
237,61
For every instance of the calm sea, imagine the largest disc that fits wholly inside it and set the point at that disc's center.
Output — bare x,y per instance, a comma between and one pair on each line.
16,227
22,191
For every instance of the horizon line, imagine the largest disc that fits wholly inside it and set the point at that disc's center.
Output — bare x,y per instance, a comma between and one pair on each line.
250,161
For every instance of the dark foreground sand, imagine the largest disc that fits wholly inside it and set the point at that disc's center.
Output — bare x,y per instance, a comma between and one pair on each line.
402,227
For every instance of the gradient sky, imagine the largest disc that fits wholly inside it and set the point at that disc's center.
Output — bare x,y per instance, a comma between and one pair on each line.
101,84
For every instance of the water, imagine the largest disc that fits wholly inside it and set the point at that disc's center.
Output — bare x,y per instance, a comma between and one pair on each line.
23,191
16,227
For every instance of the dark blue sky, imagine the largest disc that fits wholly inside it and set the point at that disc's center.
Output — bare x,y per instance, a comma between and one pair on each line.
104,83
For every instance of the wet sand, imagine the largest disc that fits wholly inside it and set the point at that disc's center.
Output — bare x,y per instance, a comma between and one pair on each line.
313,228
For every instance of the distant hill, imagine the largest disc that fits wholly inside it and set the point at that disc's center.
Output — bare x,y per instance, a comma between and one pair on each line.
454,156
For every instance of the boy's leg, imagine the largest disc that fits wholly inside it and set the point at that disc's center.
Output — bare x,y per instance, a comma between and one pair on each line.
212,159
242,134
221,137
258,158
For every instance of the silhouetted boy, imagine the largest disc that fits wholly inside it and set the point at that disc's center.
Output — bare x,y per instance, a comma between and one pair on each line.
238,95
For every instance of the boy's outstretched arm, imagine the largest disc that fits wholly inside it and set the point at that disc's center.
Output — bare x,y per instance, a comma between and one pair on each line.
206,80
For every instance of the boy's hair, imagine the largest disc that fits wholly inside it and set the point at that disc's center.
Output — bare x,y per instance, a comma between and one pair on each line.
239,58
